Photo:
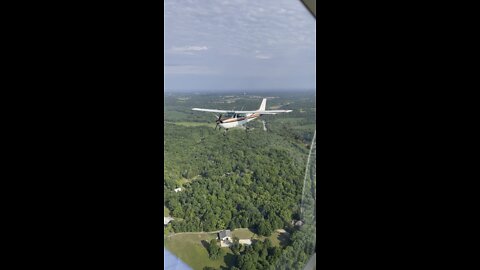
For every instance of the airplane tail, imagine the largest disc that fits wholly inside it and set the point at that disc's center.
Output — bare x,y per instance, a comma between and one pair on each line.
263,105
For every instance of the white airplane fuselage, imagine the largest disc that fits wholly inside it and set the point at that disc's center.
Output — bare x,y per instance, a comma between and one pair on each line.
238,122
233,119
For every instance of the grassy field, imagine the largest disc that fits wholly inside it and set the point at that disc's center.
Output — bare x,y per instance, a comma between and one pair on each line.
166,212
191,249
276,237
243,233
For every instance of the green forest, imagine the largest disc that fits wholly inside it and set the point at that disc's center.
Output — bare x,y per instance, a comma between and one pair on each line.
242,179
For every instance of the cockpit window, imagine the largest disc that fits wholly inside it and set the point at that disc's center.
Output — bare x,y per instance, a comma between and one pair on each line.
229,115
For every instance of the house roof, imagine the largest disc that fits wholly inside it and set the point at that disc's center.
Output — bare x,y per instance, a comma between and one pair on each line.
299,223
166,220
225,233
245,241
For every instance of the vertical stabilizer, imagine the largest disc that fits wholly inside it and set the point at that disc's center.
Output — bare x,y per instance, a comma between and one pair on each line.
263,105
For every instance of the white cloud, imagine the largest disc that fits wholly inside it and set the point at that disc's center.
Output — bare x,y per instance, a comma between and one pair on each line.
244,40
188,49
242,25
187,69
260,56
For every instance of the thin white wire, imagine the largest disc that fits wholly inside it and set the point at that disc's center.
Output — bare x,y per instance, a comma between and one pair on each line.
306,169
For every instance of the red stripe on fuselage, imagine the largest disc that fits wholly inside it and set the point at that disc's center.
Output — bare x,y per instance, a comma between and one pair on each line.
231,120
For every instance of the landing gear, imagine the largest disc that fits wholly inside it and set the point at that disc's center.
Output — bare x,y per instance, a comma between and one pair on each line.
225,132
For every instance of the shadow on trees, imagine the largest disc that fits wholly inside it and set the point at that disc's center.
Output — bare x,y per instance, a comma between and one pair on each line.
230,261
284,239
254,229
205,244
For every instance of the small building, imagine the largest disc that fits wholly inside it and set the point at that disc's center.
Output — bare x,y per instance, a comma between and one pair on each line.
178,189
245,241
225,243
166,220
225,235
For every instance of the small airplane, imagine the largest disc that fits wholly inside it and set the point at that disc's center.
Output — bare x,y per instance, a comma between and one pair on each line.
233,119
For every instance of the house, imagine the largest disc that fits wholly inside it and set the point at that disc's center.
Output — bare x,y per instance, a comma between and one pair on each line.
166,220
245,241
298,223
178,189
225,235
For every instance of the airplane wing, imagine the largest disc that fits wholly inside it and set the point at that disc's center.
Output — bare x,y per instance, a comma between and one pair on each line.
265,112
260,112
210,110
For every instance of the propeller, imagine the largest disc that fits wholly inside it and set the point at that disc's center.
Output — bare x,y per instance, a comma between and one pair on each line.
218,121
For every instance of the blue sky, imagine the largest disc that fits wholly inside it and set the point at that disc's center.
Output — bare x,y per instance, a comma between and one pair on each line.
238,45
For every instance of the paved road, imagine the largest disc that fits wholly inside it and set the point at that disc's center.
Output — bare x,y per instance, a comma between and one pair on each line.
173,234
